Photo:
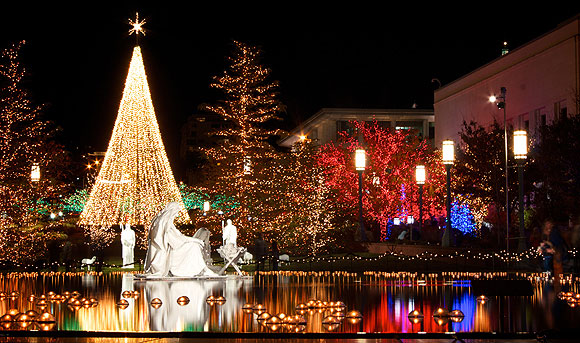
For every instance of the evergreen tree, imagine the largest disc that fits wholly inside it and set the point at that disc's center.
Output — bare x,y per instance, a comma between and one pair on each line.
306,210
240,166
479,176
25,141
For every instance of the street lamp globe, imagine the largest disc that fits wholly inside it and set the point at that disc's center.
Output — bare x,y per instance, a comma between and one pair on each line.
520,145
420,174
360,159
448,152
35,173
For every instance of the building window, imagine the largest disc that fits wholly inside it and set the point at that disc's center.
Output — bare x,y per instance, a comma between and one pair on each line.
523,121
344,126
560,110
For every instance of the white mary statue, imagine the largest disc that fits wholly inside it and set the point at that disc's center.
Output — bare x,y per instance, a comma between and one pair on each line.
171,253
128,243
230,234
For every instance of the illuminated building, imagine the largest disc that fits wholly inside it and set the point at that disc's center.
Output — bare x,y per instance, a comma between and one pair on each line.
542,79
325,125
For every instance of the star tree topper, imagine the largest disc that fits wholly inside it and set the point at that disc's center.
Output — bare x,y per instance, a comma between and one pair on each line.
137,26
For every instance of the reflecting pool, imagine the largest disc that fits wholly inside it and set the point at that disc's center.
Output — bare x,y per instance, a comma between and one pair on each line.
317,302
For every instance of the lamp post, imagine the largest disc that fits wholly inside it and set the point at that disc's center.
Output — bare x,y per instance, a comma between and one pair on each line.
448,159
205,207
520,155
420,179
500,103
35,173
360,164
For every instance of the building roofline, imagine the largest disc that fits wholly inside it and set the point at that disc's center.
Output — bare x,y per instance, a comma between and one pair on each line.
449,85
330,111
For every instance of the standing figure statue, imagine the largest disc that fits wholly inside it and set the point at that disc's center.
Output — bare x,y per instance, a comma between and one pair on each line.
171,253
230,234
128,243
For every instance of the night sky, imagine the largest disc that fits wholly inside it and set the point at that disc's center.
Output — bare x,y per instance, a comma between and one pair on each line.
362,56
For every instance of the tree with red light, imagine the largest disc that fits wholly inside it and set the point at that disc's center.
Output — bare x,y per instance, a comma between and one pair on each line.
389,188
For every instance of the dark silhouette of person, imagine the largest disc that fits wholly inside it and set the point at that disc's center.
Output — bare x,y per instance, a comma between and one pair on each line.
274,255
260,252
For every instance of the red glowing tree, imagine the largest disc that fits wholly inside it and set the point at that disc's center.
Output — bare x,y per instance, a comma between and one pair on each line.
389,187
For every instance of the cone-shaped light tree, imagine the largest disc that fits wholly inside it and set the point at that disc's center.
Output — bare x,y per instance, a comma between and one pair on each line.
135,180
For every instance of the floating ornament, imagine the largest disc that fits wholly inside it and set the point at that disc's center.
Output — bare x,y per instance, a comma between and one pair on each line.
210,300
300,320
220,300
127,294
331,323
298,328
122,304
248,308
156,303
22,317
338,314
32,298
94,302
354,317
415,317
46,326
75,294
440,312
482,299
456,313
259,308
6,318
441,320
330,320
87,303
264,316
311,304
339,305
135,294
183,300
32,314
273,320
46,317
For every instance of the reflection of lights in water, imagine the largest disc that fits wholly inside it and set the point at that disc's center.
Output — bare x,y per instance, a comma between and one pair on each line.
291,291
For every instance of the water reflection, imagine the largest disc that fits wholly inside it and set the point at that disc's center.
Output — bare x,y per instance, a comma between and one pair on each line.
384,303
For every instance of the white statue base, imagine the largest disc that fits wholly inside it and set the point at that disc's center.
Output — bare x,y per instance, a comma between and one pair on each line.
231,254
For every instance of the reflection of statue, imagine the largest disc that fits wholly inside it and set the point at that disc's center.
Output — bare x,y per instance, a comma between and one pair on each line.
173,317
171,253
230,234
128,243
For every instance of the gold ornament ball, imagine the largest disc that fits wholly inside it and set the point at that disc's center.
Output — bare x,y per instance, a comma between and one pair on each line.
156,303
183,300
122,304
